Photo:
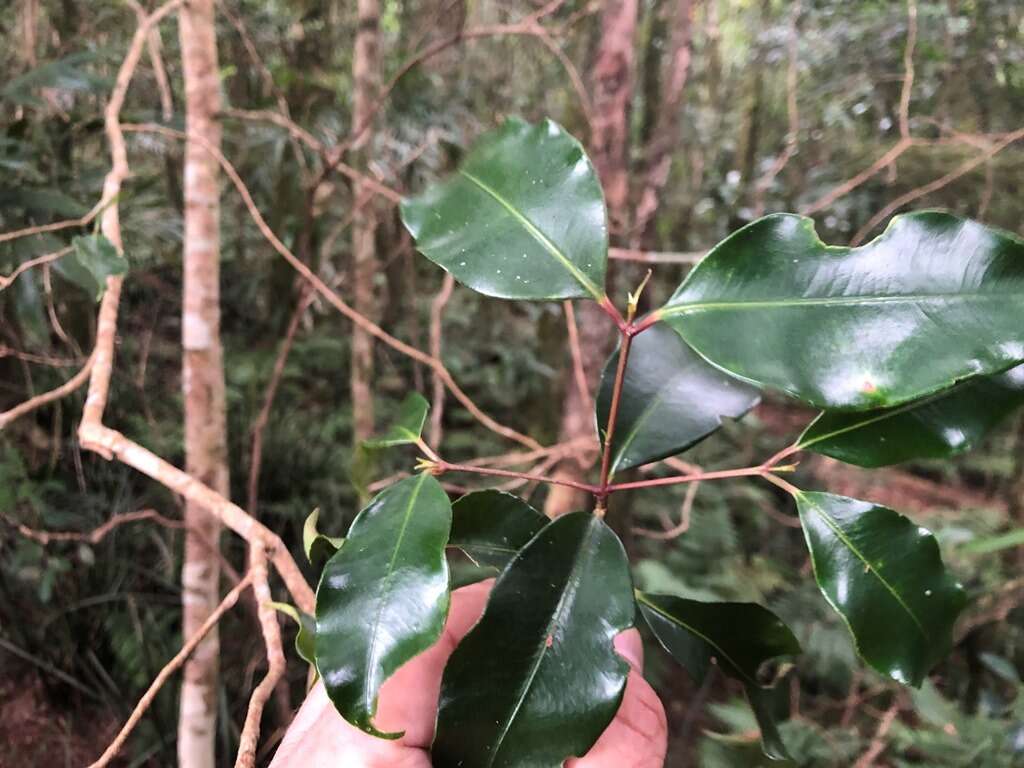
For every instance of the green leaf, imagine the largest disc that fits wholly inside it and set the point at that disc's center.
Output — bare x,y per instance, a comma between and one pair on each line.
317,546
537,680
383,597
884,575
940,426
408,425
928,303
523,218
736,637
671,399
305,640
92,261
492,526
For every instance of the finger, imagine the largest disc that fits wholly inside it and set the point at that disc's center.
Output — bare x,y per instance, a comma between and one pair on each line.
631,647
320,738
408,700
637,737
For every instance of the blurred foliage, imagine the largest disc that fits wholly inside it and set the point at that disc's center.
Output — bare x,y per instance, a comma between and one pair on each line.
95,622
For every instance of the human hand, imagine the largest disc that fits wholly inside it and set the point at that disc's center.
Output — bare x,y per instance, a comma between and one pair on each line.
320,738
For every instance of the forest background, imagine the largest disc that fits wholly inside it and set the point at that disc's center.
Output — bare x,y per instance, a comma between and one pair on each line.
701,115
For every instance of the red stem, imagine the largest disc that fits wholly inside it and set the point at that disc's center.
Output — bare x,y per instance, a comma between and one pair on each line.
444,466
613,312
643,325
677,479
789,450
613,414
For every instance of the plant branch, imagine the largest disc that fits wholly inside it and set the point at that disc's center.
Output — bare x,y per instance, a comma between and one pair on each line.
442,467
98,534
169,669
248,741
6,280
613,414
333,298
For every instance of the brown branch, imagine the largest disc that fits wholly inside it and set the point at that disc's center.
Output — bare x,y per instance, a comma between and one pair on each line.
28,357
682,526
54,226
98,534
6,280
937,184
579,373
528,26
792,113
40,400
877,746
248,741
260,423
656,257
841,190
169,669
156,61
906,141
436,334
334,299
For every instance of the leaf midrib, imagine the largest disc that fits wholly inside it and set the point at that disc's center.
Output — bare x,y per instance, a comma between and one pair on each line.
537,235
869,567
368,695
887,414
859,300
524,690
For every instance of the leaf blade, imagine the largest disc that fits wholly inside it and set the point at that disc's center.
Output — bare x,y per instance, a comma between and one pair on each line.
885,577
546,637
491,526
92,260
908,314
383,597
938,427
671,399
523,218
407,427
737,637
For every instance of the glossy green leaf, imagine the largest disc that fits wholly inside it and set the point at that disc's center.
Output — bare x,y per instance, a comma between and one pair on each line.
407,426
523,218
492,526
884,575
931,301
671,399
736,637
940,426
537,680
383,597
92,260
305,640
317,546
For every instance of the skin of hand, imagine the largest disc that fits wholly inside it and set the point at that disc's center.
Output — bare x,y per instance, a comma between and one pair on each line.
320,738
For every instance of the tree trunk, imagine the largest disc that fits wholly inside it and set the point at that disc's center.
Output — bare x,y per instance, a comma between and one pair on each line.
665,134
29,23
364,226
613,90
612,86
202,379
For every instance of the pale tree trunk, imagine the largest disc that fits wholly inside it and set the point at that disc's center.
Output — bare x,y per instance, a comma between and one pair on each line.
29,24
202,378
612,85
364,226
